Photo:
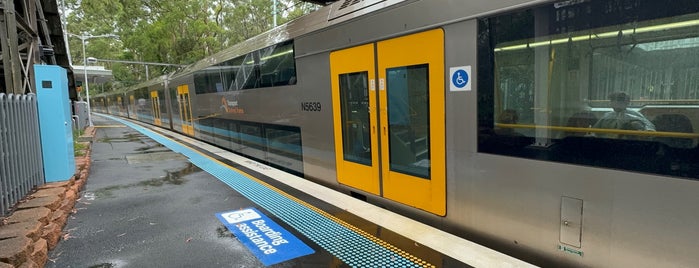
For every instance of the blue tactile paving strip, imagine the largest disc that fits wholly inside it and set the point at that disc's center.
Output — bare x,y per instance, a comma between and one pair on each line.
348,243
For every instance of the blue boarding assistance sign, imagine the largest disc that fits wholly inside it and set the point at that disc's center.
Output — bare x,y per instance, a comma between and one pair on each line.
460,78
270,243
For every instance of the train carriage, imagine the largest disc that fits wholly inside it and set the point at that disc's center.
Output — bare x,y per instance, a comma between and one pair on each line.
481,118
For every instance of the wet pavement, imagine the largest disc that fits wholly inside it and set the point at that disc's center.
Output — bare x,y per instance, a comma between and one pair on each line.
146,206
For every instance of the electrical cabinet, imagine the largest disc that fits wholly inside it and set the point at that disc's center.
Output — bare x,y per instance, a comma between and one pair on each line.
55,122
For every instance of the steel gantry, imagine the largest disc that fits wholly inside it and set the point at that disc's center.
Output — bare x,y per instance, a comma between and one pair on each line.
30,33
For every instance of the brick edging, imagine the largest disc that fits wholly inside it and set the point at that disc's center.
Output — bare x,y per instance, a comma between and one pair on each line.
36,225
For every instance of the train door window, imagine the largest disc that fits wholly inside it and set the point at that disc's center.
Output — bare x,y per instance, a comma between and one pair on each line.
408,120
600,83
175,108
354,108
164,111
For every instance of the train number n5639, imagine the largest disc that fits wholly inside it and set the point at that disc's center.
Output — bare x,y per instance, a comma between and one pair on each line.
311,106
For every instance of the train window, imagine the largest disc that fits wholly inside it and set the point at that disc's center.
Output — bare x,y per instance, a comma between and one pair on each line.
267,67
229,70
602,83
251,136
284,147
208,80
143,107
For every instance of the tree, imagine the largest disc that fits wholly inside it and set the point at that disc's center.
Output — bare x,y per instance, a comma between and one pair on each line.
169,31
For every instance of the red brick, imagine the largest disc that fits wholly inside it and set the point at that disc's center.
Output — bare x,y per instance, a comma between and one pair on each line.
41,214
16,251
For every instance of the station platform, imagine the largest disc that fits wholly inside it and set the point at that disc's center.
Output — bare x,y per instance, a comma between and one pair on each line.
155,198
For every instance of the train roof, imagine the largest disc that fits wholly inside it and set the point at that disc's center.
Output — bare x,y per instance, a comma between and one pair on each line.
338,12
152,82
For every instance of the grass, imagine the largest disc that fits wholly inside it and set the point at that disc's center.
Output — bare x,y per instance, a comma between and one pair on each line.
79,148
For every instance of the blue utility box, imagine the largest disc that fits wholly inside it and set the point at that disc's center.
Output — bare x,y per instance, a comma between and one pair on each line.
55,122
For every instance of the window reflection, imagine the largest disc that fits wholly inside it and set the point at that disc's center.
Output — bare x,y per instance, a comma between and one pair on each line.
354,108
408,119
267,67
603,83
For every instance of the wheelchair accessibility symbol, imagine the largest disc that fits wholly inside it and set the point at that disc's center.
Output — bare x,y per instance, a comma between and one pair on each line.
460,78
234,217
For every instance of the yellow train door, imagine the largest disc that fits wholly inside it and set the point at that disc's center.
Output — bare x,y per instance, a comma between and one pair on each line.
155,104
354,106
398,150
185,105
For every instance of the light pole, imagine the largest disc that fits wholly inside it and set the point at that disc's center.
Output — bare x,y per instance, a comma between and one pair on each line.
87,87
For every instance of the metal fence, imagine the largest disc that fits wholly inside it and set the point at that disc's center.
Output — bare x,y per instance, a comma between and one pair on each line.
21,165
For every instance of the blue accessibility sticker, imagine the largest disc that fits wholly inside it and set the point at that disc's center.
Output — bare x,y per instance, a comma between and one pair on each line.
270,243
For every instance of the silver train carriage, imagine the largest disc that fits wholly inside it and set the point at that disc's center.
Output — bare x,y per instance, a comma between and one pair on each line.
559,132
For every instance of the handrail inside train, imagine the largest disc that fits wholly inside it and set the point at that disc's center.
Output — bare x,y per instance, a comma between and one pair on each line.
602,130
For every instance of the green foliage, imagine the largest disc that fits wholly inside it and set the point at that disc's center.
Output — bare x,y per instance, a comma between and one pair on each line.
168,31
78,147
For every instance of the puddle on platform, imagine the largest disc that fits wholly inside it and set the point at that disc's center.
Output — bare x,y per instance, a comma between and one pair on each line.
103,265
171,178
223,232
146,148
146,157
129,137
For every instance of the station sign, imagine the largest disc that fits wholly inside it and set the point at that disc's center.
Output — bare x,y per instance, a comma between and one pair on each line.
268,241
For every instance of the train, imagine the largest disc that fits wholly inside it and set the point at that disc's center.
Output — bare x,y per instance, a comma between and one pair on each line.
480,118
